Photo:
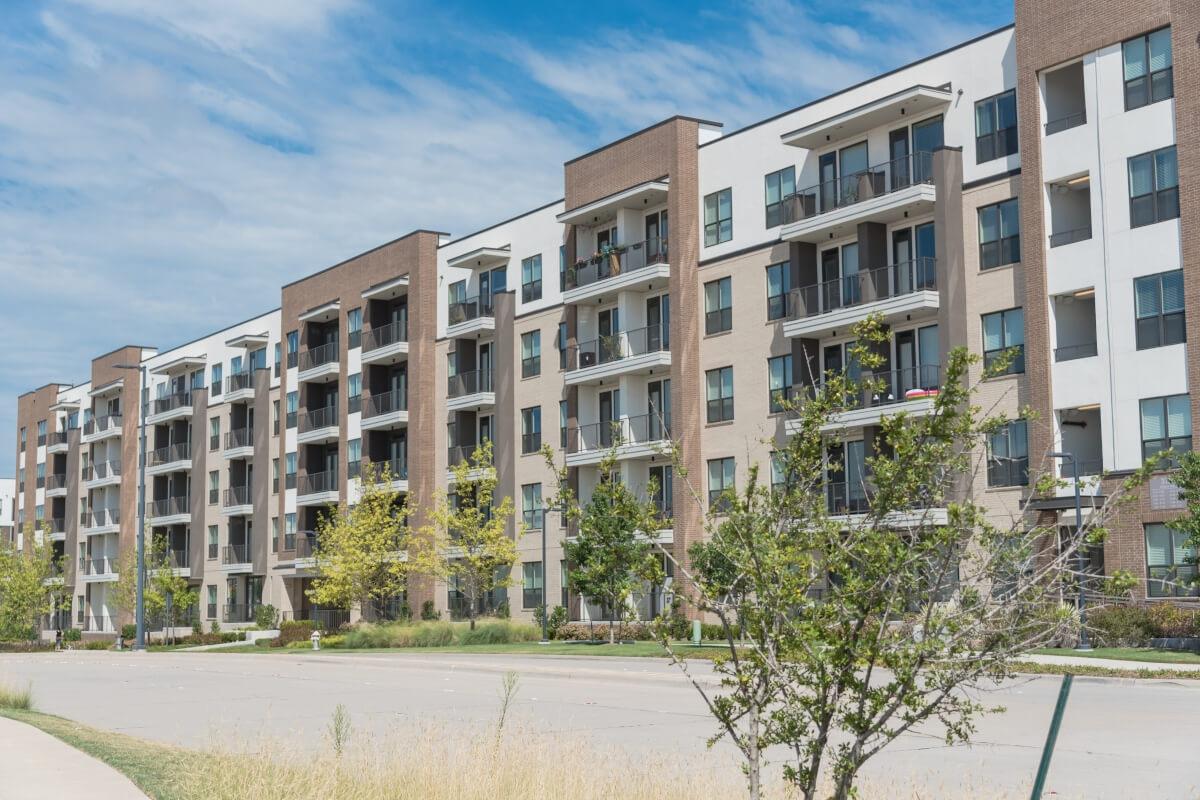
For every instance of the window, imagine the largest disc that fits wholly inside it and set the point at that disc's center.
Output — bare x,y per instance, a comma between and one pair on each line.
718,306
1004,331
779,186
779,378
213,541
1170,563
561,343
1159,307
778,472
354,389
21,476
999,234
562,267
719,392
40,475
531,429
562,424
996,126
1148,73
73,417
1166,424
720,482
1153,187
1008,455
293,406
354,458
531,584
293,348
718,217
531,279
214,433
779,283
214,488
278,357
215,384
289,470
197,381
531,506
275,416
41,432
531,354
212,602
22,437
274,534
354,326
274,476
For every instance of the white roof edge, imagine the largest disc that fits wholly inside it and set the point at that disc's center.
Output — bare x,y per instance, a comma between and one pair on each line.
380,288
616,197
830,123
316,311
504,252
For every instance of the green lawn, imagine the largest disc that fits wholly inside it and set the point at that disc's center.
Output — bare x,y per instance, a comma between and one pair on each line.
634,650
1145,654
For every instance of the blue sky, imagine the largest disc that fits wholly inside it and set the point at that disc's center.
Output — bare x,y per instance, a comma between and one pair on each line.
166,166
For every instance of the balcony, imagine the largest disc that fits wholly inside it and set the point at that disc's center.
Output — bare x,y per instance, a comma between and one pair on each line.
471,316
56,485
239,387
630,437
103,473
58,529
173,458
239,501
884,193
237,613
851,500
635,352
106,520
170,511
459,454
57,442
320,364
384,411
239,443
320,425
1065,99
912,391
643,265
99,569
317,488
177,563
95,430
468,390
385,345
165,409
899,292
1074,328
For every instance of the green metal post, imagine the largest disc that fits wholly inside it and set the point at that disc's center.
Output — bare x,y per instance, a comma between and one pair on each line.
1048,751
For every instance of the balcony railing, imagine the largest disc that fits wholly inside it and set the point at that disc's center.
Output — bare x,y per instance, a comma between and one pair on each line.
177,558
895,280
98,565
384,335
1074,351
646,429
304,543
468,383
56,437
847,190
239,380
320,418
619,346
845,498
319,356
317,482
459,453
385,403
1070,237
237,496
170,506
170,454
898,386
241,437
471,308
235,554
616,261
101,424
1066,123
56,481
101,518
104,469
58,525
162,405
237,612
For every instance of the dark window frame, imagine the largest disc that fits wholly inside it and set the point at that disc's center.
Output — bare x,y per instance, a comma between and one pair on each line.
777,397
719,408
1008,469
1163,328
719,319
1002,250
1162,203
1017,365
1183,574
997,142
714,234
1141,90
1181,442
531,291
531,430
777,304
718,499
531,365
774,210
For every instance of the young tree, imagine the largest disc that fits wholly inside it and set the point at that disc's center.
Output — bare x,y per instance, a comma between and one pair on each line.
164,593
360,550
613,554
466,538
862,625
27,589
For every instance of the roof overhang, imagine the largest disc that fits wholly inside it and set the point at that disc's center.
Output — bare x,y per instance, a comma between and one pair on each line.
386,290
249,340
323,312
598,211
482,257
182,364
907,103
108,388
65,405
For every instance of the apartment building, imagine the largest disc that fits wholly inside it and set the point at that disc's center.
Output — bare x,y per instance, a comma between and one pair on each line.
1021,190
8,510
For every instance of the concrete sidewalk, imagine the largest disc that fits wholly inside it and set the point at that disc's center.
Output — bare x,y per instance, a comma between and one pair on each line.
36,766
1107,663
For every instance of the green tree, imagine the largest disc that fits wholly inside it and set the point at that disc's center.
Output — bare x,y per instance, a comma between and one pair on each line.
613,554
166,595
467,539
361,549
28,586
863,625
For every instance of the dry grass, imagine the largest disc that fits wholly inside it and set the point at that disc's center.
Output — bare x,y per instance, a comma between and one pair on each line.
17,699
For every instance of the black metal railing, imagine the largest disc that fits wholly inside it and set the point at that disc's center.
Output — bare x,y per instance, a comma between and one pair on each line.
170,454
614,261
896,386
170,506
847,190
1074,351
895,280
317,482
101,424
58,524
385,335
326,417
842,497
57,480
56,438
619,346
240,437
471,308
104,469
102,518
237,496
1070,237
319,356
1065,123
162,405
235,554
237,612
385,403
459,453
467,383
98,565
239,381
645,429
304,543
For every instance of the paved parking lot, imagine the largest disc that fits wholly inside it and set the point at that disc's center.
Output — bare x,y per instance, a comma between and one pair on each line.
1120,739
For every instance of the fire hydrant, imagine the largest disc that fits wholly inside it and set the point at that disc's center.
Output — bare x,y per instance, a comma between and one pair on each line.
316,640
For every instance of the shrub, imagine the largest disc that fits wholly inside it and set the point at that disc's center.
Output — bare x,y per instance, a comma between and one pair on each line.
72,635
216,626
25,646
128,632
294,630
1121,626
263,642
1170,621
716,632
97,644
336,640
676,624
436,634
266,617
503,611
16,699
499,632
582,631
428,612
197,625
405,613
297,645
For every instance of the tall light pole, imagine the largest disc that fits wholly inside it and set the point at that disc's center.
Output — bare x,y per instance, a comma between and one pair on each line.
139,643
1085,644
545,574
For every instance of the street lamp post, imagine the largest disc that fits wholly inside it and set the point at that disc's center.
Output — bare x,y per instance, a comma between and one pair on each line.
1085,644
140,603
545,573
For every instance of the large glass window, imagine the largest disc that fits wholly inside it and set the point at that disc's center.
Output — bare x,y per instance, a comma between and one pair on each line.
531,354
1008,455
1159,306
779,378
531,584
779,185
718,217
996,126
354,390
718,306
1166,424
293,348
1170,563
531,506
999,234
354,326
719,390
1004,331
779,283
293,407
531,279
1148,69
720,482
531,429
562,424
215,384
1153,187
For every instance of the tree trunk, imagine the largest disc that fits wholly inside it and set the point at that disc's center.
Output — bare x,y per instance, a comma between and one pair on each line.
753,766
